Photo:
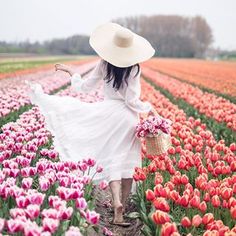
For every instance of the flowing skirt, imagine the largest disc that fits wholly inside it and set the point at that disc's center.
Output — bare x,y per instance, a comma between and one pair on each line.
103,130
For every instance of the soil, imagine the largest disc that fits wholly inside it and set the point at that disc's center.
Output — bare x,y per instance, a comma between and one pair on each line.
104,208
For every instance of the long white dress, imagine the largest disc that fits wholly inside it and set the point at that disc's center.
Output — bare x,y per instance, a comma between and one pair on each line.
103,130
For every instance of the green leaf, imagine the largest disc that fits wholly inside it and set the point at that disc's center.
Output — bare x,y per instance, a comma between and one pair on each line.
133,215
146,231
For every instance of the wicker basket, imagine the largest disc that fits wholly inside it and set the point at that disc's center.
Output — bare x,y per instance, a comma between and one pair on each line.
158,144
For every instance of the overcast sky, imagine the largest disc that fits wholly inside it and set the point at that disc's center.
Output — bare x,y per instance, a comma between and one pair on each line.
47,19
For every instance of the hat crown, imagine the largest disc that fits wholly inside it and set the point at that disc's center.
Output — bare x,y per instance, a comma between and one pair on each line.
123,38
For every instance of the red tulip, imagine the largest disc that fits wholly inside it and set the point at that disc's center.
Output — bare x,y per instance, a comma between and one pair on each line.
161,204
206,197
174,195
150,195
226,193
233,212
195,201
184,179
184,200
139,174
158,178
211,233
232,202
186,222
169,229
203,206
196,220
171,150
215,201
160,217
207,218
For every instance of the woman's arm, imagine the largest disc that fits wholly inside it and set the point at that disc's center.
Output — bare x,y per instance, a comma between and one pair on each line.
83,85
64,68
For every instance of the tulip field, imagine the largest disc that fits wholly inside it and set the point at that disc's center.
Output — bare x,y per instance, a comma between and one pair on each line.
191,190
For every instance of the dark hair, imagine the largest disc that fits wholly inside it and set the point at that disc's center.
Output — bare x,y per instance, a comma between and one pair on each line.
118,74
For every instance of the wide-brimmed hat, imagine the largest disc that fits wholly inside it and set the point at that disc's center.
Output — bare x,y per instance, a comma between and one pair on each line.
120,46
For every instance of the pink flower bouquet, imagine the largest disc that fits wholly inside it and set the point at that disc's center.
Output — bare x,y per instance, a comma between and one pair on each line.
152,126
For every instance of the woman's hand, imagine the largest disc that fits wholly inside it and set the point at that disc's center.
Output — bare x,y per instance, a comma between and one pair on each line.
64,68
152,112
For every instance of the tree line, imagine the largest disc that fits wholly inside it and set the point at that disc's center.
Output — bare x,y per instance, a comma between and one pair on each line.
170,35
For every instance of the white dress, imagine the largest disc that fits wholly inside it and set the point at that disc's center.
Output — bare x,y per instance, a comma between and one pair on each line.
103,130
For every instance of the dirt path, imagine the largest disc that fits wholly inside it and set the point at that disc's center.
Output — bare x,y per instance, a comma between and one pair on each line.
104,208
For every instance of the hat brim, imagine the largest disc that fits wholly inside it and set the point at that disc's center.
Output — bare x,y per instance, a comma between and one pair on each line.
101,40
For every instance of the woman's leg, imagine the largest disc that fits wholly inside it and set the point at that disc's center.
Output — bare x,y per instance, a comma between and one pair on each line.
126,185
118,207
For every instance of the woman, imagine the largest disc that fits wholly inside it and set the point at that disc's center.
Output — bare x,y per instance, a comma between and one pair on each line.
104,130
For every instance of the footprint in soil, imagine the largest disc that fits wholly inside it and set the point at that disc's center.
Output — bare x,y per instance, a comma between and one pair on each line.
104,208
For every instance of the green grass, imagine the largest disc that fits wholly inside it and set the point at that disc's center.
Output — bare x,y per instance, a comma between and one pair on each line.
12,66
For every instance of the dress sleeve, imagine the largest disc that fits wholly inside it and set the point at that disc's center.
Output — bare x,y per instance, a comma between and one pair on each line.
132,96
89,82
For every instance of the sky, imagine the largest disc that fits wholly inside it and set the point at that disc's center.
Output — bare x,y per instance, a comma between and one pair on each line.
47,19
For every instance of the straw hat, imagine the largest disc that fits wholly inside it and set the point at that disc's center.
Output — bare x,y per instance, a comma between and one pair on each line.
120,46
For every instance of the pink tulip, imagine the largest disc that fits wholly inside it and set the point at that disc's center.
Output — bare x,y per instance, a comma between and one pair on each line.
15,212
99,169
83,166
90,162
36,198
2,176
73,231
15,225
81,203
44,184
2,223
32,211
50,225
28,171
27,183
50,213
106,231
92,217
32,229
22,202
65,213
103,185
53,154
63,192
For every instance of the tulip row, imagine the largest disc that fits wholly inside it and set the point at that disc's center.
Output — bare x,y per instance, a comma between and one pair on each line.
208,104
39,194
37,67
13,91
191,189
217,76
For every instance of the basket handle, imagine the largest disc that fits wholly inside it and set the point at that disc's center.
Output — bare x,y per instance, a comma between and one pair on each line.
155,113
